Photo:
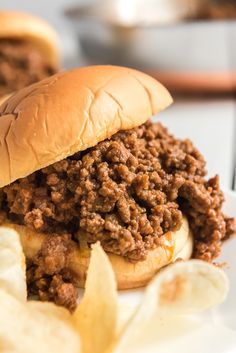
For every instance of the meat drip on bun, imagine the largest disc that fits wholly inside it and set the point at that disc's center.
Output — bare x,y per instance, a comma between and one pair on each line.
29,51
81,162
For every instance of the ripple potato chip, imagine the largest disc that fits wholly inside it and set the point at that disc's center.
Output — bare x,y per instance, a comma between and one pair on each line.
96,316
180,288
35,327
12,264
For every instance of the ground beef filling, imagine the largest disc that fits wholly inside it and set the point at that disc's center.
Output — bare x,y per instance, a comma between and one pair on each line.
126,192
21,65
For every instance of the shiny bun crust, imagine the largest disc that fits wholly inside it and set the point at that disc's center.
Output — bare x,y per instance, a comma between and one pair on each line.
4,98
70,112
23,26
129,275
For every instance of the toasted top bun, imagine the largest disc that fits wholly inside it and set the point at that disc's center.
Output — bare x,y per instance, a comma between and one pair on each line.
23,26
178,245
4,98
71,111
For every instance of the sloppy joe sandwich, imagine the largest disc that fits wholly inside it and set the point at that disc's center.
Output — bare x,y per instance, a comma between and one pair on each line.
82,162
29,50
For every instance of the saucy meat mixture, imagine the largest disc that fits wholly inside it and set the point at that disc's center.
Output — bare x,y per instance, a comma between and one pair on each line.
126,192
20,65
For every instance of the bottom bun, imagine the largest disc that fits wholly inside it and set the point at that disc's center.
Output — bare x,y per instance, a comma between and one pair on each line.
177,245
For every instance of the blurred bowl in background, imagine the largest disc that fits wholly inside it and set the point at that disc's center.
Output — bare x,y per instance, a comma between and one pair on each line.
185,53
138,12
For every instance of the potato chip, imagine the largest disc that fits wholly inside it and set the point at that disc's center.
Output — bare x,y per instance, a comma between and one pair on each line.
191,287
96,316
35,327
12,264
180,288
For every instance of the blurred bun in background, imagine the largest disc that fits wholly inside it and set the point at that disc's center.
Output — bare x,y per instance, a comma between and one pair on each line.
29,50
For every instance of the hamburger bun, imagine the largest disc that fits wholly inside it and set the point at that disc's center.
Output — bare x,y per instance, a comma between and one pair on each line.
4,98
70,112
178,245
23,26
70,103
129,275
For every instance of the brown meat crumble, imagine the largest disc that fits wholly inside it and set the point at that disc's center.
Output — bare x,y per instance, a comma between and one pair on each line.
21,65
127,192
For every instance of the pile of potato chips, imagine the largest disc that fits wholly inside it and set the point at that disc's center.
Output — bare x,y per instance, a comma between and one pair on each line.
95,326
